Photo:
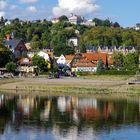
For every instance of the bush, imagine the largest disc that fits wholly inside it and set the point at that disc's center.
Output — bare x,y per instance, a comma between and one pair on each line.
85,73
11,67
117,72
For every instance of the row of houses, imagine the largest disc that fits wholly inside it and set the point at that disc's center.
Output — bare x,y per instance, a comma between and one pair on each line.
85,61
24,63
78,62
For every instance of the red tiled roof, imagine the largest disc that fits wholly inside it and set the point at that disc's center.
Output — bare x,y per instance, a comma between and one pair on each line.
69,57
85,63
96,56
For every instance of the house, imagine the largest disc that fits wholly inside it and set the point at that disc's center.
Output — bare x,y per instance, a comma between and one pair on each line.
74,19
89,23
89,61
26,61
84,65
28,46
25,67
49,51
55,20
44,55
69,59
137,27
8,22
61,61
73,41
110,49
41,53
17,46
94,57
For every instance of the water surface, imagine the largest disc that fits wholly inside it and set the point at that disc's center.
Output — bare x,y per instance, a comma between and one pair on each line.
68,118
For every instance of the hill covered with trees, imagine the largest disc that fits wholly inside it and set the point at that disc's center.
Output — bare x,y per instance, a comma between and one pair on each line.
44,33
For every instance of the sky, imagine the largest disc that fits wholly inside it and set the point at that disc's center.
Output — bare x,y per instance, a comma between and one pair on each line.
125,12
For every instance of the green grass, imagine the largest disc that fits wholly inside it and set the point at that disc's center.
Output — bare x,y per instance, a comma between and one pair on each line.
8,80
108,77
67,89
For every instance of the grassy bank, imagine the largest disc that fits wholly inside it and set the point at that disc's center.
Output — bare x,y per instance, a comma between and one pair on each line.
9,80
103,84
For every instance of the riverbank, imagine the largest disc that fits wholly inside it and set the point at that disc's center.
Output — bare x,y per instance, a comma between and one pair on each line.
113,85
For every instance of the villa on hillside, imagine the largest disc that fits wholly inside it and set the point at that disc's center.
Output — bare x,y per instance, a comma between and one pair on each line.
17,46
74,19
55,20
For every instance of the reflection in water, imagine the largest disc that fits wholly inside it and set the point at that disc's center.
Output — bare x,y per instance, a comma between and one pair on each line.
67,118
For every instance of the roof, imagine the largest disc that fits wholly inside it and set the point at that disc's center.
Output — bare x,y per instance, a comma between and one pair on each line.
69,57
13,43
96,56
25,61
85,63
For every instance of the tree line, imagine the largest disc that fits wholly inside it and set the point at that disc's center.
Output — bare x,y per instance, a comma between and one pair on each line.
42,33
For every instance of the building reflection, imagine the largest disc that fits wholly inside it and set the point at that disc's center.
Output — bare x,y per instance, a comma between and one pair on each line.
25,105
66,116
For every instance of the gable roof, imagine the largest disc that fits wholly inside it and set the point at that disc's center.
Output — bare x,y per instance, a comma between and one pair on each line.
13,43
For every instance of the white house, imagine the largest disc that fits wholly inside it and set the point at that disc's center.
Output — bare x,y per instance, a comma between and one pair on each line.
73,41
137,27
7,22
88,23
41,53
74,19
61,60
55,20
44,55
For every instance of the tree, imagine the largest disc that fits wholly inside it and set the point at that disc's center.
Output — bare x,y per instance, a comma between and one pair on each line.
59,42
100,66
116,25
63,18
40,62
35,43
45,39
118,60
131,61
11,67
5,55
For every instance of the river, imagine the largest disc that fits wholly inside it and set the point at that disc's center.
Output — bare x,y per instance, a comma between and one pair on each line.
24,117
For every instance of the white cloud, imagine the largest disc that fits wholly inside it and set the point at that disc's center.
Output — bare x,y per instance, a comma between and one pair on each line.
3,4
13,7
32,9
28,1
2,14
80,7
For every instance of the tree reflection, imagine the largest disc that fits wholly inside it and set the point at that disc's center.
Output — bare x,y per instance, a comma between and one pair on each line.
66,113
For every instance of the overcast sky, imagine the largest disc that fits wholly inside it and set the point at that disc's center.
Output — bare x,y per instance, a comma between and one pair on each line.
126,12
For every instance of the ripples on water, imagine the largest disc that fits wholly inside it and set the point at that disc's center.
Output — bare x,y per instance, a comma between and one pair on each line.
68,118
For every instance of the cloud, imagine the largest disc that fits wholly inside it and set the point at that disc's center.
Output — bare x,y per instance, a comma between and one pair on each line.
28,1
2,14
13,7
80,7
32,9
3,4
